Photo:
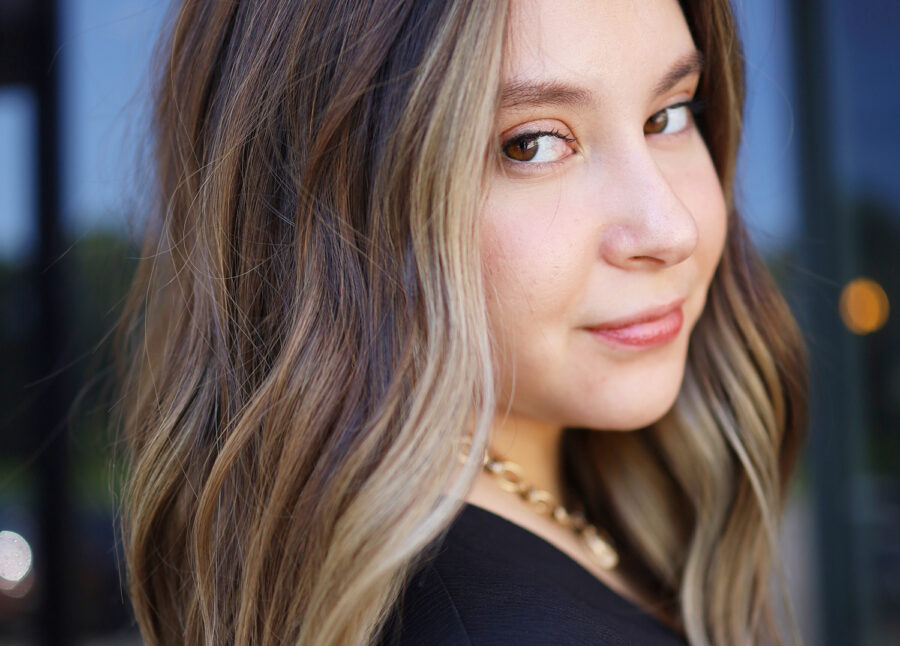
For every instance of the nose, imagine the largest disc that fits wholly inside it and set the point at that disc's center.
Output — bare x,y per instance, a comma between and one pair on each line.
649,227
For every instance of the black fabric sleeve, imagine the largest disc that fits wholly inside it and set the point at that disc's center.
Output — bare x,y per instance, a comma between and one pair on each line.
490,582
426,614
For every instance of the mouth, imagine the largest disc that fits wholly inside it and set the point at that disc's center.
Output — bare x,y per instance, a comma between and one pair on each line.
649,328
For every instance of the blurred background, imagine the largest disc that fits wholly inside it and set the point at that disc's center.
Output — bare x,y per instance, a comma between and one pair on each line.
819,186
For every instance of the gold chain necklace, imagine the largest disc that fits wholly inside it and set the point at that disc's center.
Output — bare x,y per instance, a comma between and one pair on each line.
510,478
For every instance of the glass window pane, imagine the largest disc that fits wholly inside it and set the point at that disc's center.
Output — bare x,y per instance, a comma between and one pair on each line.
17,169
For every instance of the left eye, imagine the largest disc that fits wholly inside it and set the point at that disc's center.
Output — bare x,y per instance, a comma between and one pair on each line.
669,121
537,147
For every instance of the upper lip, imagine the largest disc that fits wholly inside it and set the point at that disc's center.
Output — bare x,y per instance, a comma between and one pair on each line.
649,314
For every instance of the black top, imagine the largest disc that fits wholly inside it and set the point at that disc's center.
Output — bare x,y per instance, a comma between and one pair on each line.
493,582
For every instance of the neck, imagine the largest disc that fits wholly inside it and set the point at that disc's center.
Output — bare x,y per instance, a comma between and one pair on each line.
534,446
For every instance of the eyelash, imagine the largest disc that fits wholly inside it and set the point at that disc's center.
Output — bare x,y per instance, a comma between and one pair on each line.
694,106
525,136
532,135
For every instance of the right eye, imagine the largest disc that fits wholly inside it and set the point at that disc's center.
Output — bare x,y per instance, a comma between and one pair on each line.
538,147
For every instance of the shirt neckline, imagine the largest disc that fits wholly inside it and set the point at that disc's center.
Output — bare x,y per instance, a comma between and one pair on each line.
587,577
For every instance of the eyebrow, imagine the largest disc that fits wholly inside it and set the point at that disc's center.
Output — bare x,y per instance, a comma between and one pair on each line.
688,64
524,94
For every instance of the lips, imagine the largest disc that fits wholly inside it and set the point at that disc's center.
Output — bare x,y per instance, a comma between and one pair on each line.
651,327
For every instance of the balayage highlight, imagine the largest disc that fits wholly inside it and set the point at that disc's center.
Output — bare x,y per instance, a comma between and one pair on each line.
305,348
695,499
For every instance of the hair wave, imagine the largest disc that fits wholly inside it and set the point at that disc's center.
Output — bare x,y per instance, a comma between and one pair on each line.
695,500
305,349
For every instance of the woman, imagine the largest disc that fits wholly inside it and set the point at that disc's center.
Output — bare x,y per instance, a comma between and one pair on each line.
409,252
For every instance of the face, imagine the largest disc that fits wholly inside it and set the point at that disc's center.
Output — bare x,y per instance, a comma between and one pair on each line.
604,220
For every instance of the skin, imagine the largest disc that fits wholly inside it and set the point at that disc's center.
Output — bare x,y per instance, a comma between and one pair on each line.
620,216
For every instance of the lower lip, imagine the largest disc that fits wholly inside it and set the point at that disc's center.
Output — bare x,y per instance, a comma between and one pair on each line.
646,334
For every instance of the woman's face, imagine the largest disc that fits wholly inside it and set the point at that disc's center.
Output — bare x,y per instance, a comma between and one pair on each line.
605,220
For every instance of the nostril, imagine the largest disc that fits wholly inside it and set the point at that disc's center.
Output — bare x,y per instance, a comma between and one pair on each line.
649,259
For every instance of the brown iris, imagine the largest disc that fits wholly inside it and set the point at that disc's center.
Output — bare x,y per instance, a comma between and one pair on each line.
657,123
522,148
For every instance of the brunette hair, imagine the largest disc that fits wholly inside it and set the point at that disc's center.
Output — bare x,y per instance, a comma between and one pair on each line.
695,500
305,350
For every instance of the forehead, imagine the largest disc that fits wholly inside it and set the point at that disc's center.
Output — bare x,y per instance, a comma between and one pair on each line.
607,45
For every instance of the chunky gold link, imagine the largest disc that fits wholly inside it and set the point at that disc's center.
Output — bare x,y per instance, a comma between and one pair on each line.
542,501
510,478
561,516
602,552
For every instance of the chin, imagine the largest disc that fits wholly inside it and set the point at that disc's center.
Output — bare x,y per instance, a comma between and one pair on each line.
633,408
636,420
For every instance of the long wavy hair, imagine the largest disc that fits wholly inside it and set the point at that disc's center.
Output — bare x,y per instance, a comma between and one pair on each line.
305,350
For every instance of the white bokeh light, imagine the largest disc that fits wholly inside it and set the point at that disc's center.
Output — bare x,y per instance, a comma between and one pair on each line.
15,559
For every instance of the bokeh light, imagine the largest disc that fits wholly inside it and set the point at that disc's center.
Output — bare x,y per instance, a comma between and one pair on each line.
15,564
864,306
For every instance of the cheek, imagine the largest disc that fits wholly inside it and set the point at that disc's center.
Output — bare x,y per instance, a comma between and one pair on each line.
535,266
531,264
699,189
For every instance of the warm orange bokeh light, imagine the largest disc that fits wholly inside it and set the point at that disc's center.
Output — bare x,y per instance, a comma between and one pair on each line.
864,306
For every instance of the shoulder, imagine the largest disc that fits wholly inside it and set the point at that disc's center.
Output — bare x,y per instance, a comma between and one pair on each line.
426,614
473,588
490,582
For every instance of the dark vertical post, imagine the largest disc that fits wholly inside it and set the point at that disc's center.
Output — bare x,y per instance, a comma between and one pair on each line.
836,417
49,419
